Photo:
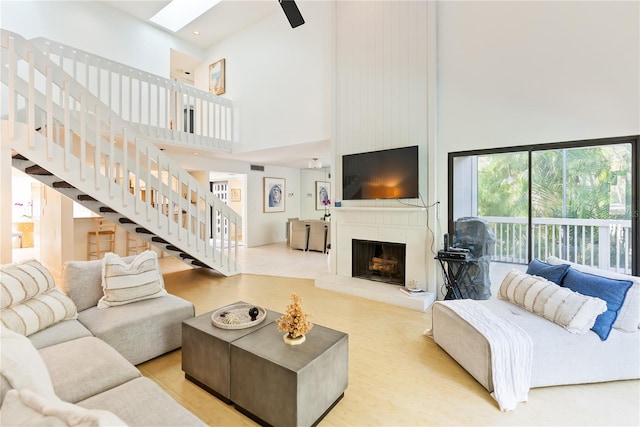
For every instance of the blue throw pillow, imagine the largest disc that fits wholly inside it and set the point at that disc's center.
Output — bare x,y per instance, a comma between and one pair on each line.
612,291
553,273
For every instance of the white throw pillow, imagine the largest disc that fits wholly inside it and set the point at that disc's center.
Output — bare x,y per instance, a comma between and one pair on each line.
22,281
124,283
628,319
575,312
39,312
22,365
23,407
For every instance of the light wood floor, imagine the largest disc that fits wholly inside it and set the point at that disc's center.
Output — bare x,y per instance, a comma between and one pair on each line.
397,376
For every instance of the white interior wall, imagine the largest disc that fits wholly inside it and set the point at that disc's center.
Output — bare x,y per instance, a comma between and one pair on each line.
308,179
381,82
97,28
279,78
260,228
516,73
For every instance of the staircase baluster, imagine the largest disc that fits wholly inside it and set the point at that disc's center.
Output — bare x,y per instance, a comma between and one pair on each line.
125,167
67,126
83,137
49,111
112,160
11,82
32,103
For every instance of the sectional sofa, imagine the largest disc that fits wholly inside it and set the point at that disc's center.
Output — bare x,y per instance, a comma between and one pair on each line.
80,368
595,340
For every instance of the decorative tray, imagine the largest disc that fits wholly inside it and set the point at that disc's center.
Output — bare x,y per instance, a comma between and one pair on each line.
236,316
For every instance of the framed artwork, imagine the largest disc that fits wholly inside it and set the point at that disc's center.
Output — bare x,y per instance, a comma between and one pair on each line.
216,77
235,195
274,192
323,195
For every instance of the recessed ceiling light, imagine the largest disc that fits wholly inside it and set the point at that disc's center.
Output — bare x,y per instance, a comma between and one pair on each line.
195,153
196,32
179,13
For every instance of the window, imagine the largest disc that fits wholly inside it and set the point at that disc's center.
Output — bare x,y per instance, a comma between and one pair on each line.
571,200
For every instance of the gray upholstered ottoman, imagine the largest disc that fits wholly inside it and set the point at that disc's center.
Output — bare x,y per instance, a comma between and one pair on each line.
289,385
206,352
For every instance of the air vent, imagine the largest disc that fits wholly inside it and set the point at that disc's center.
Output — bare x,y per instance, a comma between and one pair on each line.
257,168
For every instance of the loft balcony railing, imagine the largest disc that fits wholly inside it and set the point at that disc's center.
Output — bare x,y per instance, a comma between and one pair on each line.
600,243
62,127
160,109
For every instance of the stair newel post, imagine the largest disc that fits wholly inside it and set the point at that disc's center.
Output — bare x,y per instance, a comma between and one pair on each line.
139,100
147,180
31,114
98,78
159,201
13,65
235,247
130,96
170,199
148,105
120,96
83,137
137,193
200,217
180,203
97,152
187,203
125,167
67,125
112,161
157,107
49,90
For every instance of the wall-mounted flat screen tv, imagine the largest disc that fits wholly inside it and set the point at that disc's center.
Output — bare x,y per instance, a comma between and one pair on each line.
384,174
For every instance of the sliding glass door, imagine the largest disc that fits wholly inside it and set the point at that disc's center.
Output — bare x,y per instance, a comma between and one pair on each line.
570,200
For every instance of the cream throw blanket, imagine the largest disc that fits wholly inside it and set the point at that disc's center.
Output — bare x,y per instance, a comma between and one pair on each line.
511,351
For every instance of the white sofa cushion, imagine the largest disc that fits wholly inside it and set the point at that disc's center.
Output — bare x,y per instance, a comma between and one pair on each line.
26,408
125,283
22,366
575,312
629,314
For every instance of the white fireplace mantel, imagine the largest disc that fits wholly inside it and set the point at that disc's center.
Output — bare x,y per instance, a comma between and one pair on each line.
405,225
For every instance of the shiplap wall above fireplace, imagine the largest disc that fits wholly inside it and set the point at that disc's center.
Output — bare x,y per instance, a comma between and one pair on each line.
382,101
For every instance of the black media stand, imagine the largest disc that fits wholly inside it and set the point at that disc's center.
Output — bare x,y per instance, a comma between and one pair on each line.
456,271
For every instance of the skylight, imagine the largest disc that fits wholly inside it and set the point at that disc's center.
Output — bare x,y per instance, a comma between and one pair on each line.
179,13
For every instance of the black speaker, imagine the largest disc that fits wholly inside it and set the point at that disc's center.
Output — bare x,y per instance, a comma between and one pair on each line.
292,12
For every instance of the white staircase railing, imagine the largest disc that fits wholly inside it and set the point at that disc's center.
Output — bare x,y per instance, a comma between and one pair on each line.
56,123
161,109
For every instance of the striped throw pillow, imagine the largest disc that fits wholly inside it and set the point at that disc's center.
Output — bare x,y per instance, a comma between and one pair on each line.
22,281
124,283
31,301
575,312
39,312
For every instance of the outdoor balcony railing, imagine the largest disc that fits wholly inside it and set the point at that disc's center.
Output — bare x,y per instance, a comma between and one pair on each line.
598,243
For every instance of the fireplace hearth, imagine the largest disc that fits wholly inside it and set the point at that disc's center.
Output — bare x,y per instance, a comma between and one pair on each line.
379,261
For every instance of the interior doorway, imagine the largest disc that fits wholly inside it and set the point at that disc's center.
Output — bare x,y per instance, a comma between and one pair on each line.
231,188
25,214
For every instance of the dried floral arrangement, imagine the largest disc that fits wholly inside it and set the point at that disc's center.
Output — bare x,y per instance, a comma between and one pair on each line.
294,321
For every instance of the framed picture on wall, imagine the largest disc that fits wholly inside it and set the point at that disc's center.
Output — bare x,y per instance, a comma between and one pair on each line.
216,77
274,192
235,194
323,195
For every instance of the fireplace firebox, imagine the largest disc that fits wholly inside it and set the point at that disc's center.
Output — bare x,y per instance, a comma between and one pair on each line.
379,261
